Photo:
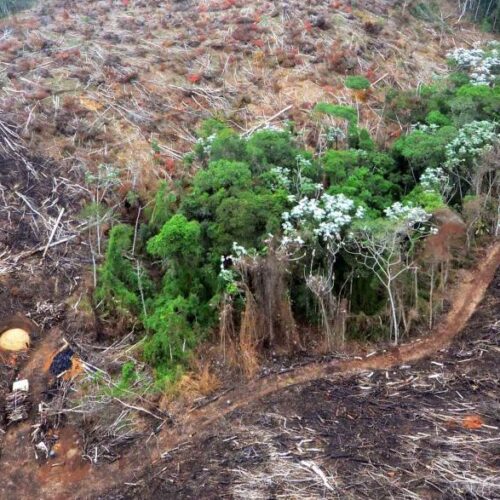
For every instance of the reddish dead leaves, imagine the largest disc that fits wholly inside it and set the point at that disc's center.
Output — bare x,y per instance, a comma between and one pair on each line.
245,32
10,45
288,58
227,4
472,422
194,78
469,422
68,55
37,94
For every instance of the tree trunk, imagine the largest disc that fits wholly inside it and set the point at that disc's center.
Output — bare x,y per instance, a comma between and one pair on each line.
431,293
394,318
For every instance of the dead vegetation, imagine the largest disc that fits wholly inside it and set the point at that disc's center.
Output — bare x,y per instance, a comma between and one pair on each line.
92,83
42,255
267,319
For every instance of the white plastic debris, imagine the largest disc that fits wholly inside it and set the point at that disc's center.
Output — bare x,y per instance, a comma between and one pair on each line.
41,446
21,385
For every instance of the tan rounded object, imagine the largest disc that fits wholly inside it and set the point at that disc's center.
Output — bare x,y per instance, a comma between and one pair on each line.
15,339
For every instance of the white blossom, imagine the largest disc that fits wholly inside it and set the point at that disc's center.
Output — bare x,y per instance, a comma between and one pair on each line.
206,143
325,218
239,250
422,127
334,134
482,65
281,178
408,214
470,142
435,179
270,128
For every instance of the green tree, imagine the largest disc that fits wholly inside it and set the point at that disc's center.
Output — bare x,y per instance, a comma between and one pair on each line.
425,148
371,190
270,148
179,240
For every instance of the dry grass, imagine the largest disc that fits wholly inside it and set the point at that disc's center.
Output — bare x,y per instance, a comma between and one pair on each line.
193,386
283,472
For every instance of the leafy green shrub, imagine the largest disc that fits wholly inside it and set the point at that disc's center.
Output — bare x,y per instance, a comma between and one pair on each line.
224,177
228,145
437,118
338,111
163,208
364,141
368,189
270,148
458,78
425,148
179,239
127,379
430,201
119,283
475,102
174,334
357,83
339,164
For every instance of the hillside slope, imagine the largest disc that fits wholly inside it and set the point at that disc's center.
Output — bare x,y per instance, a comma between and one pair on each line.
92,82
119,88
422,429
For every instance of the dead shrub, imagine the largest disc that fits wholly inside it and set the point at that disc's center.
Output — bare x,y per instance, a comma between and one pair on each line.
266,321
249,340
195,384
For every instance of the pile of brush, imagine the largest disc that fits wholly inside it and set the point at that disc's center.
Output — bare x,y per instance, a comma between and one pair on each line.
16,406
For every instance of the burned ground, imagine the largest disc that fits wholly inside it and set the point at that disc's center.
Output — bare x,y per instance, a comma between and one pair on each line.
405,427
422,430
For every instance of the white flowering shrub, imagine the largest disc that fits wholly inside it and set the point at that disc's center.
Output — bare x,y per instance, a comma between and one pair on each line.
228,274
471,141
206,143
294,180
323,218
482,66
271,128
386,247
422,127
279,178
435,179
407,214
334,135
466,58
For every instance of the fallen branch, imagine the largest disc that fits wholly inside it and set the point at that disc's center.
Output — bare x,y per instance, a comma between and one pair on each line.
265,122
53,232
